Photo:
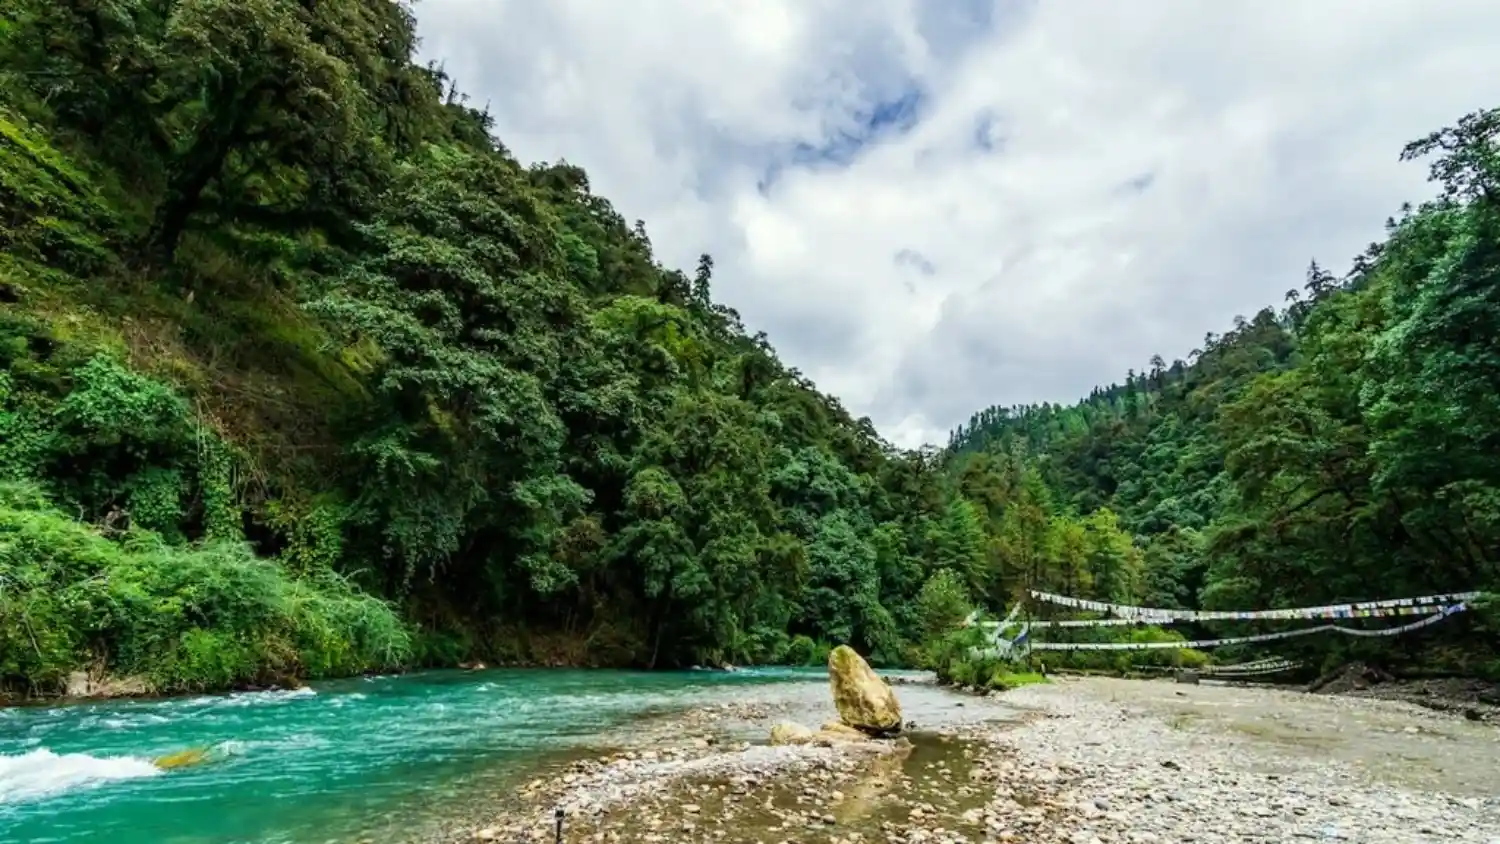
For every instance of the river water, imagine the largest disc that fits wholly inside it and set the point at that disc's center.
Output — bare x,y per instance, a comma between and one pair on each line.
369,758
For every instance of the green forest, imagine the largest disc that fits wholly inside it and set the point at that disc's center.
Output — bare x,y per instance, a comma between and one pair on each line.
1344,447
303,374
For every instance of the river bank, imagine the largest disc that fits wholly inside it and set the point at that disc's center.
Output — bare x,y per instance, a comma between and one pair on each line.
1081,761
386,759
664,758
389,759
94,686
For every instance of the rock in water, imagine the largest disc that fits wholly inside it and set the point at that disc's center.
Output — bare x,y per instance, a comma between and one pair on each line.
183,758
863,701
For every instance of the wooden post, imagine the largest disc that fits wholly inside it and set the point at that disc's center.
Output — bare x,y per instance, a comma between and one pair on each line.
1026,625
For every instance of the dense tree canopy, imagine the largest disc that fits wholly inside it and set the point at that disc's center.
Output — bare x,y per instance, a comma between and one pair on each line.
302,373
1342,448
271,285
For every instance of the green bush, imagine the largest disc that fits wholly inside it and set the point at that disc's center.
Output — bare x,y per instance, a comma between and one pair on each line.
1123,661
1189,658
952,657
181,618
942,603
804,651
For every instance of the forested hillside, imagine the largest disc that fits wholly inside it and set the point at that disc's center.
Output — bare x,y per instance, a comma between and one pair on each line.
302,374
1344,447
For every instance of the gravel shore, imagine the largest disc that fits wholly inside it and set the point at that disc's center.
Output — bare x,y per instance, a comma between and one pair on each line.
1079,761
1155,762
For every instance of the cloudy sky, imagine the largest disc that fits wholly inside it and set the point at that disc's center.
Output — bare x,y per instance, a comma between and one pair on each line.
933,206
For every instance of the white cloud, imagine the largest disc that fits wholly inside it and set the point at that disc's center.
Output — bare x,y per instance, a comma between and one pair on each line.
1154,167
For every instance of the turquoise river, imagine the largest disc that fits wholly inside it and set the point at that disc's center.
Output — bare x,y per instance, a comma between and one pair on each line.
373,757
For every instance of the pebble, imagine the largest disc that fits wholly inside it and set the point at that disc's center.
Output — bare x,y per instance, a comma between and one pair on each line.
1148,781
1077,768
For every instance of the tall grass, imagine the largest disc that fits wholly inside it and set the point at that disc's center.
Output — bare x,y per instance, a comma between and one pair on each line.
181,618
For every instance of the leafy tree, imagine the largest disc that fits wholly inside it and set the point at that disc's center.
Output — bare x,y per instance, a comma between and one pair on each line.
306,373
1341,449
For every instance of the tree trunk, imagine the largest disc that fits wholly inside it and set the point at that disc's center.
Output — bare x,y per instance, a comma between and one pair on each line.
196,169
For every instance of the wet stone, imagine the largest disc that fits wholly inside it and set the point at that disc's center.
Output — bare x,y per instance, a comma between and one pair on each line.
1078,768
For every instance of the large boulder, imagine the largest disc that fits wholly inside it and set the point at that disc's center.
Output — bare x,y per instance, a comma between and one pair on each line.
863,700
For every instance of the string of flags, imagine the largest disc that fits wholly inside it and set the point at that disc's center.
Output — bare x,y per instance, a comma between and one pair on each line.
1000,645
1373,612
1246,666
998,625
1245,640
1434,607
1254,668
1156,615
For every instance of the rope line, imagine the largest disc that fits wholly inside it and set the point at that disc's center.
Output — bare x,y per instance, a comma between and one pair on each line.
1375,612
1242,640
1156,615
1250,669
1435,607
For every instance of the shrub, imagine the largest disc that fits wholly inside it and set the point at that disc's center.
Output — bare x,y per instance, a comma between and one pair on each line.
183,618
942,603
804,651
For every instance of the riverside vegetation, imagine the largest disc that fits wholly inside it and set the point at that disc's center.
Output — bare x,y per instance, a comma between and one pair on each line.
302,374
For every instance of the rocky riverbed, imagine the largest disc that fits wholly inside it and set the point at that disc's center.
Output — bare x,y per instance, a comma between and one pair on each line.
1157,762
1080,761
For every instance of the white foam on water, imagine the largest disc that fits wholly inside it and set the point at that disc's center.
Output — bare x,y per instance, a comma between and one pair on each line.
256,698
238,699
130,721
42,773
289,742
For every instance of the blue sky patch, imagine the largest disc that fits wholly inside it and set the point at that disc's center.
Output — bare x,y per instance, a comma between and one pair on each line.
885,118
